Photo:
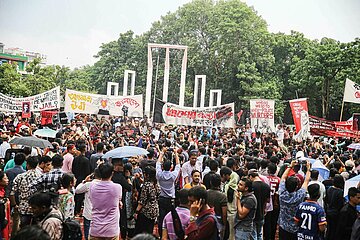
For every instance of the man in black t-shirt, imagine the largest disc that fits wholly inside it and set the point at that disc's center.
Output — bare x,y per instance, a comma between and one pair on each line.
348,215
262,194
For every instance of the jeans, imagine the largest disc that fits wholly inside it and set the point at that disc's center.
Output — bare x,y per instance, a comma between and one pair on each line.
258,225
271,224
86,228
165,206
244,235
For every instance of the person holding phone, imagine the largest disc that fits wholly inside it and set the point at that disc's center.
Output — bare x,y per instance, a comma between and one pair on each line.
203,222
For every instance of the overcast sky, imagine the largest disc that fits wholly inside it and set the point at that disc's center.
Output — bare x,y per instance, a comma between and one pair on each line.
70,32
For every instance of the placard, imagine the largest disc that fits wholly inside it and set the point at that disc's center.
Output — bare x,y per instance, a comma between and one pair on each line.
80,102
220,116
262,115
41,102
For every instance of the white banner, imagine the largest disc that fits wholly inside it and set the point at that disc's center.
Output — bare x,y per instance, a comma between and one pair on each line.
44,101
352,92
80,102
262,115
168,113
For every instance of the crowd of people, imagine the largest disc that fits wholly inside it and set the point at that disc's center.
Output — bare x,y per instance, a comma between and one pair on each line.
193,183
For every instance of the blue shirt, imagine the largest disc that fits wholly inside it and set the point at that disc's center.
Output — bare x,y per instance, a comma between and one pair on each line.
310,215
289,203
166,180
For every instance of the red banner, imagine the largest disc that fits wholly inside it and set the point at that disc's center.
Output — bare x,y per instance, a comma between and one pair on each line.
46,117
26,113
298,106
323,127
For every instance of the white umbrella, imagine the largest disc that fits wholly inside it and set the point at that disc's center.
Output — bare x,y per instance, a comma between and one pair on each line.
123,152
45,132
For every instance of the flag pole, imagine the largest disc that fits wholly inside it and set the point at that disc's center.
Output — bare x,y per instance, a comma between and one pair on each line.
342,109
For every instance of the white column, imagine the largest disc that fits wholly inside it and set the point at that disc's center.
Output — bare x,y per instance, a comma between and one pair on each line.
202,96
148,83
125,86
109,88
166,76
196,90
132,89
126,82
218,92
202,91
183,78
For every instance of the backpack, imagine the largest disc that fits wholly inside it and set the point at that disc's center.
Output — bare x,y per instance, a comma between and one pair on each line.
71,228
217,225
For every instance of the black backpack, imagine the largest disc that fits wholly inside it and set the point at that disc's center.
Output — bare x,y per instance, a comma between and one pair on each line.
71,228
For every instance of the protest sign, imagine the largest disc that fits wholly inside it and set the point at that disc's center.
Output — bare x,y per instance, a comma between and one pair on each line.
43,101
300,113
26,113
80,102
262,115
220,116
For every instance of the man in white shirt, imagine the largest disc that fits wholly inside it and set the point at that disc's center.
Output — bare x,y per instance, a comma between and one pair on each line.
4,146
314,179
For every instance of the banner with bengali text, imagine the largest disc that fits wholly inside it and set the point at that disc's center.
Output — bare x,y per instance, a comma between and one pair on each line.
44,101
323,127
80,102
262,115
220,116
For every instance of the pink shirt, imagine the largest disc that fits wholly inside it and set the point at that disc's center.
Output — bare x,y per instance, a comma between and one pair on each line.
67,163
105,197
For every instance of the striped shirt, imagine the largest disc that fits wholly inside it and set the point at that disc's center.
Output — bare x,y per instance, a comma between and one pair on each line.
184,215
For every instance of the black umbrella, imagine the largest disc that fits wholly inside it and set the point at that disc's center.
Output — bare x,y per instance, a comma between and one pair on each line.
31,141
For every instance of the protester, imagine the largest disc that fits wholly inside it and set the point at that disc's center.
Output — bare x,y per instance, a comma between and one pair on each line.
80,168
166,180
348,215
230,180
84,187
334,201
290,197
48,218
189,166
178,219
21,191
105,197
261,191
147,209
196,178
66,197
314,176
68,158
218,201
271,217
203,223
310,216
246,205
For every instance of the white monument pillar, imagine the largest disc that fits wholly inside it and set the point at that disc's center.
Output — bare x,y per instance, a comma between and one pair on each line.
166,76
150,69
126,80
214,92
110,85
196,90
